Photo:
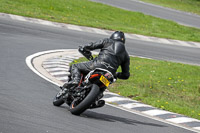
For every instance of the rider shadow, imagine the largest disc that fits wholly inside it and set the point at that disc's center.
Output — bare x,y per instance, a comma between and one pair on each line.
110,118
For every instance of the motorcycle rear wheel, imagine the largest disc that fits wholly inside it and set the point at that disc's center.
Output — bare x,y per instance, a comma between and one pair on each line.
86,103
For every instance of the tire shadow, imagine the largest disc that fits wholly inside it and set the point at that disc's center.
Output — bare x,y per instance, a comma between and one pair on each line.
111,118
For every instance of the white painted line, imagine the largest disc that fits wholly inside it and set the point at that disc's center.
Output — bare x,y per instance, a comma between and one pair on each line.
59,73
55,62
156,112
62,78
165,41
143,38
74,27
182,43
60,60
147,39
76,56
57,69
153,118
181,120
66,59
56,65
134,105
197,128
70,58
49,23
71,55
99,31
31,57
15,17
134,36
128,36
196,44
113,99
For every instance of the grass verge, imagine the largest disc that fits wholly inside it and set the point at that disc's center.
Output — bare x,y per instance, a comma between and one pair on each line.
87,13
184,5
169,86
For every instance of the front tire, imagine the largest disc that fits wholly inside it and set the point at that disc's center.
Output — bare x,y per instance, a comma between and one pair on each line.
58,100
86,103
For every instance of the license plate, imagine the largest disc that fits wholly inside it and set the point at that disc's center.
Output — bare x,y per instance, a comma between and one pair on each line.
104,80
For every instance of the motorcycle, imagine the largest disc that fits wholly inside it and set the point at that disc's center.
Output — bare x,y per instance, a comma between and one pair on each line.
88,93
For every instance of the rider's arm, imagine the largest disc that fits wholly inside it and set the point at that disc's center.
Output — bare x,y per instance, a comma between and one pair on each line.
125,69
95,45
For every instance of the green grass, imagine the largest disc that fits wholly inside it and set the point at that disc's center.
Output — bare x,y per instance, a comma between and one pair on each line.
83,12
166,85
192,6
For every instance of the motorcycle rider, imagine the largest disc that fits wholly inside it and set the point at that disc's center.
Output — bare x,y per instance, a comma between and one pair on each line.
112,55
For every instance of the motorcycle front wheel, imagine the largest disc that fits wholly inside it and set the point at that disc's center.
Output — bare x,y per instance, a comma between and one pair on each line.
58,100
79,108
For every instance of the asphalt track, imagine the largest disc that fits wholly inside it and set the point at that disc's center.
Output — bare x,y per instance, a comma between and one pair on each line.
26,99
180,17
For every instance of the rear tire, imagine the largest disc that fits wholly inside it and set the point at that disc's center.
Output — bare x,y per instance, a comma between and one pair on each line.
86,103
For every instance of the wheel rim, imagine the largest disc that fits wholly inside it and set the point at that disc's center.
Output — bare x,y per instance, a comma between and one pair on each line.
73,104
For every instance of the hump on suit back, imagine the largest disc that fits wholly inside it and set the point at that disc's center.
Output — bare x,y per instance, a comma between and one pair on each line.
119,47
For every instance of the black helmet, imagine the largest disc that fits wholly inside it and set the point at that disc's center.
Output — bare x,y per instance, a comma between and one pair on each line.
118,36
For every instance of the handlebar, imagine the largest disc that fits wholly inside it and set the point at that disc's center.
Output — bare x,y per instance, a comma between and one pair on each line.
85,53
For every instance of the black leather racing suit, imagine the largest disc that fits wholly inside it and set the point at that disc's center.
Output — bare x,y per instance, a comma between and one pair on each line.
112,55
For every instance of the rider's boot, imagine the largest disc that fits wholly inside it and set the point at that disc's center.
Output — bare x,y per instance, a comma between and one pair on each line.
98,104
71,84
75,78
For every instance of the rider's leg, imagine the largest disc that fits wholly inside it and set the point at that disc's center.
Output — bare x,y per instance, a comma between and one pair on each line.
76,70
75,77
